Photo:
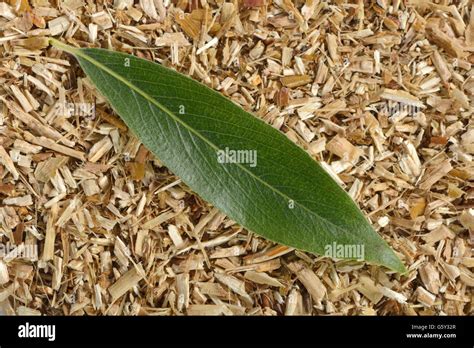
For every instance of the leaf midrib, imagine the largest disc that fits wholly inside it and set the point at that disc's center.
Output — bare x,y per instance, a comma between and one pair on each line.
189,128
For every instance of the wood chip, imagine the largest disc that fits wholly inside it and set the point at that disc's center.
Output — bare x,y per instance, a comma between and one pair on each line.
127,281
295,80
400,97
430,277
262,278
310,281
434,174
344,149
8,163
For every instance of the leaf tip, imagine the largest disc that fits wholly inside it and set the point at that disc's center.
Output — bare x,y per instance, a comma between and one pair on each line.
394,263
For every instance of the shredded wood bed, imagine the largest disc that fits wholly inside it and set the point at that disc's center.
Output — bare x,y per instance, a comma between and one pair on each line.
117,234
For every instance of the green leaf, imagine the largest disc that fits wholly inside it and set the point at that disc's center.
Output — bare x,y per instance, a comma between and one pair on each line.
276,190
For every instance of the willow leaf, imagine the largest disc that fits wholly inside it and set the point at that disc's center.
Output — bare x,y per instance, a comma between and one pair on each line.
275,189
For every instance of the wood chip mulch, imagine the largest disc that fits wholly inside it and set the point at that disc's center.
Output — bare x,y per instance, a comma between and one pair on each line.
117,234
